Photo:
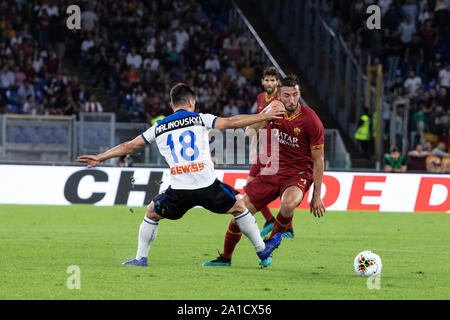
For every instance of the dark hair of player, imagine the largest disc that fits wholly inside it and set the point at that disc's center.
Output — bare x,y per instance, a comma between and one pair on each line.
180,94
271,72
289,81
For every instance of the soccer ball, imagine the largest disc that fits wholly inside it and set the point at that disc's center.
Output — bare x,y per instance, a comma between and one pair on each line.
367,264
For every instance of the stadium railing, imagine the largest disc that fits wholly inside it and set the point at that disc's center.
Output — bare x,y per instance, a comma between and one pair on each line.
37,138
60,139
95,132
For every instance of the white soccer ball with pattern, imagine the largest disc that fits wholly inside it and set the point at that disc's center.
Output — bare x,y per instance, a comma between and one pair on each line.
367,264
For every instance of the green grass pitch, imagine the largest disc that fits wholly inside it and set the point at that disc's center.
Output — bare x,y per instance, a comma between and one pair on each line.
39,243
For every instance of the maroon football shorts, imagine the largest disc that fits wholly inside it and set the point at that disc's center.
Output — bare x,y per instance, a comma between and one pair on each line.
266,188
255,169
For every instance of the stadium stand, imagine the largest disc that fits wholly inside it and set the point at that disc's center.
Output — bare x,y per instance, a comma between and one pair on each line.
159,43
413,46
127,54
134,51
137,59
32,77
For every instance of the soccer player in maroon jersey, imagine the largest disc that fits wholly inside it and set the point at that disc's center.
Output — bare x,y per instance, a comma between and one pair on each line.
300,159
270,82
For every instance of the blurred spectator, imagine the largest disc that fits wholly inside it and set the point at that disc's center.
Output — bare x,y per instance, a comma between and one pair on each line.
392,53
407,28
413,83
25,90
428,35
434,122
434,67
81,94
441,150
19,77
398,128
139,96
30,106
394,162
441,14
52,63
89,19
414,54
392,17
73,107
444,77
417,158
445,122
134,59
384,5
230,109
6,78
212,63
93,105
44,26
439,161
424,14
418,126
409,8
363,134
182,37
443,97
397,89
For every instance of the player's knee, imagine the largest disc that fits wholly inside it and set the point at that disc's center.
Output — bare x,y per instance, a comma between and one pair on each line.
248,205
150,213
287,208
238,208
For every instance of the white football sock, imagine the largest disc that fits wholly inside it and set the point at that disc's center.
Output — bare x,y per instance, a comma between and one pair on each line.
247,223
147,233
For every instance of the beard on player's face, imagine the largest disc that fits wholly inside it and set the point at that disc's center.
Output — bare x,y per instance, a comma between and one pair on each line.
270,89
290,107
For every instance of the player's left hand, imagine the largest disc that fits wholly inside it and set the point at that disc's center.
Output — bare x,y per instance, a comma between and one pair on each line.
317,207
90,160
274,105
278,106
276,111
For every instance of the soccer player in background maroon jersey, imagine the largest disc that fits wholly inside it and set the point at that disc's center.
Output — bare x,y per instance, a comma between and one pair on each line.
270,82
300,159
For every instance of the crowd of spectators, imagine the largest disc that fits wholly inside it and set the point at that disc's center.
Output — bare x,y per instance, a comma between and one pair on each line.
136,50
133,51
413,46
33,79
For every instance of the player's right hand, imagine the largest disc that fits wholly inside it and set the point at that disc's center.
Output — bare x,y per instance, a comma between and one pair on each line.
316,207
90,160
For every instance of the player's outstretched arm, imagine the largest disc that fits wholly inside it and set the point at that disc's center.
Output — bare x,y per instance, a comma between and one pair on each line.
316,206
241,121
118,151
